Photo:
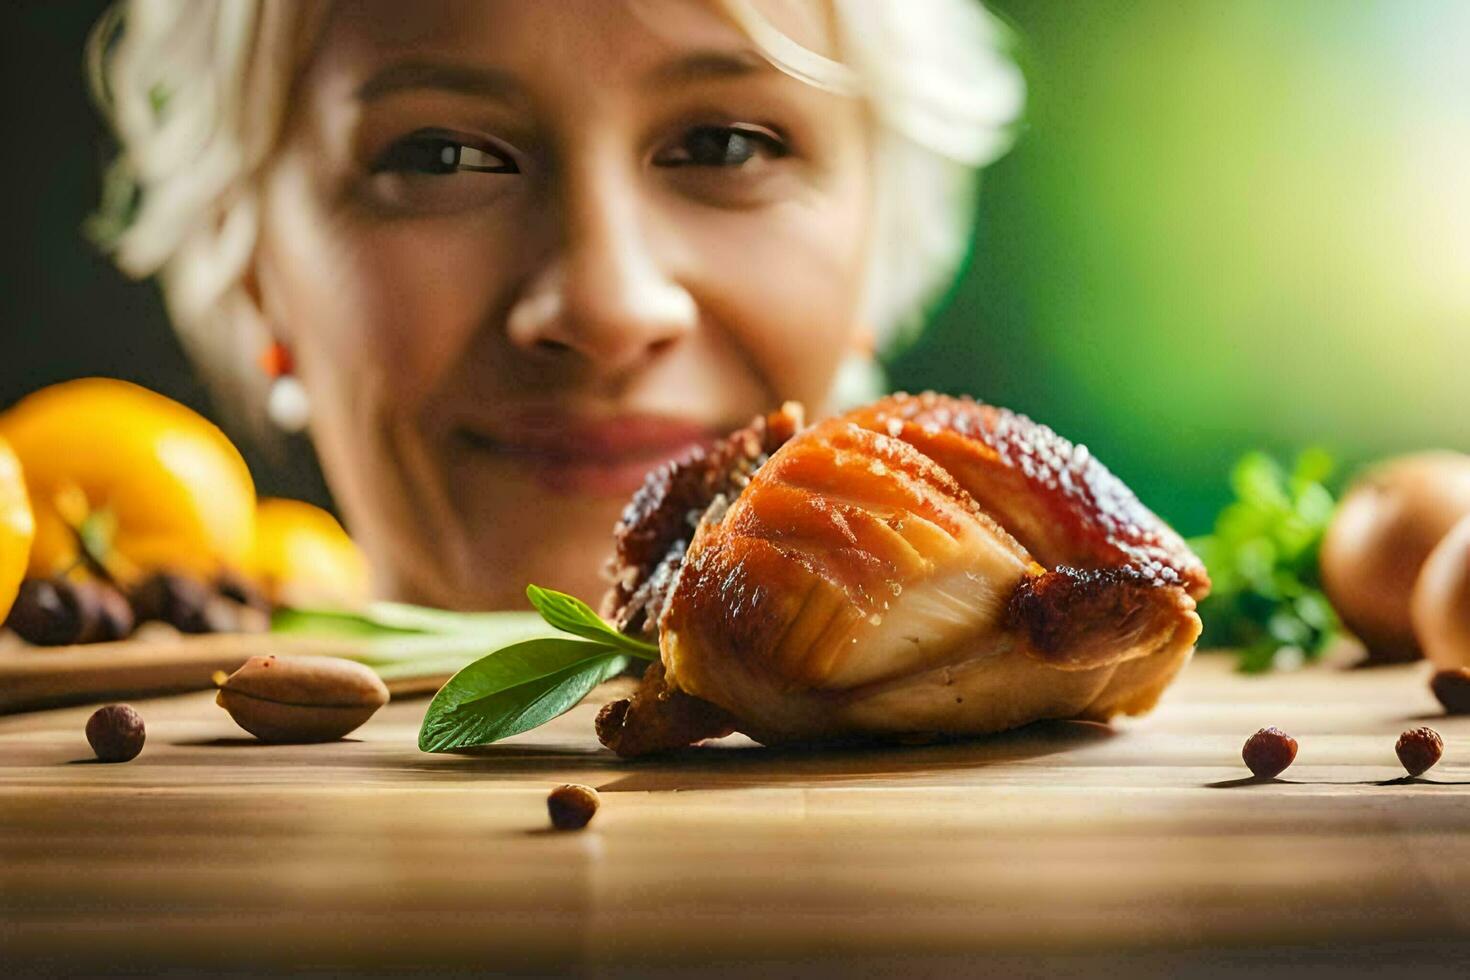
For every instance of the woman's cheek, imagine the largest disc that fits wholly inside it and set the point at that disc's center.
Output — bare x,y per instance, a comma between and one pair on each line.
786,281
376,301
423,289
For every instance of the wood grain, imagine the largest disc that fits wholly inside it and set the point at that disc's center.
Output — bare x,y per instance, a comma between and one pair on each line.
44,677
1061,847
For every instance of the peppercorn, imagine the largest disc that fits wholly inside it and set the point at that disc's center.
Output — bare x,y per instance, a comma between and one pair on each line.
572,806
116,733
1268,752
1419,749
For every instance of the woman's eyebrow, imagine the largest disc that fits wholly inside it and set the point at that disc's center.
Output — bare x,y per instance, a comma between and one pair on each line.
445,76
698,66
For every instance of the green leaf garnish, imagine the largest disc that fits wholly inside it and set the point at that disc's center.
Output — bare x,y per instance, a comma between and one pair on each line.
406,642
332,622
511,675
404,616
392,618
571,615
526,684
514,690
1266,599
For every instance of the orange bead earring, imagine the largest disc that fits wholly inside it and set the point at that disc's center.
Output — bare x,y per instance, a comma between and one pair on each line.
286,405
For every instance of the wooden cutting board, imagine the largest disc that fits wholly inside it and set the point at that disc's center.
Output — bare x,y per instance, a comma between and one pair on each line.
43,677
1137,850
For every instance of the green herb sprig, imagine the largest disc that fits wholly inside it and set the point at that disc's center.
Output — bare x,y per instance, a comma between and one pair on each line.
534,672
1266,600
400,641
526,684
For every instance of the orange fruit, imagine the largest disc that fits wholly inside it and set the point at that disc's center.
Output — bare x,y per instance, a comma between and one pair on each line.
149,482
303,557
17,528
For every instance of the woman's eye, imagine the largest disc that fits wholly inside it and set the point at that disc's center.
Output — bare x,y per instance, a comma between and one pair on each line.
721,146
443,154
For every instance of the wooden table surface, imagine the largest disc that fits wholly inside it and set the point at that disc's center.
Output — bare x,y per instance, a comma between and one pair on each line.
1067,848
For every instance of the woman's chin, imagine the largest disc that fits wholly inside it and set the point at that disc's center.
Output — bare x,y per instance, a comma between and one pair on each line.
523,518
500,571
511,533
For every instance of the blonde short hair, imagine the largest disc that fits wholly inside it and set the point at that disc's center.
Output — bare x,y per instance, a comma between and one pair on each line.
198,92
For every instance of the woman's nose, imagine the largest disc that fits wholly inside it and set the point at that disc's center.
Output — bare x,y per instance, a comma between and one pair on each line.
606,295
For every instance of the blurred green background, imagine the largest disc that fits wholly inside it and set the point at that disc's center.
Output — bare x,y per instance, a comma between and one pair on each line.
1225,225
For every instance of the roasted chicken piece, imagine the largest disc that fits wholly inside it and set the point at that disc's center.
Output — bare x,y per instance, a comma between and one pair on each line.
658,523
924,565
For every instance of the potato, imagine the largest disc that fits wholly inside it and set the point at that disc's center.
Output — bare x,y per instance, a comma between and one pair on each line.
1384,529
1440,604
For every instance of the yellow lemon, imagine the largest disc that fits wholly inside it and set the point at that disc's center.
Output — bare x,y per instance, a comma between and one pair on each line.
147,481
17,528
303,557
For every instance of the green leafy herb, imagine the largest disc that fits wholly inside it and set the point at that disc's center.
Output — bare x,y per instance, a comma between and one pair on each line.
528,676
396,618
403,642
571,615
514,690
1266,598
527,684
332,622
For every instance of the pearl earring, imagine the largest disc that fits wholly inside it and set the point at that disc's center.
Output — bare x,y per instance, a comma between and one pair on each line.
860,377
286,405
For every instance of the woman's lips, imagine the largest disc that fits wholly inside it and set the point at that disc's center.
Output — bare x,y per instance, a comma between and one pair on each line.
598,457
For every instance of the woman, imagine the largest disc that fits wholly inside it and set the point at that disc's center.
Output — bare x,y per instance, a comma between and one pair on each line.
515,254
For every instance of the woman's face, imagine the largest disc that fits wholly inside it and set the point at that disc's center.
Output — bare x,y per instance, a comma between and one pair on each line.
523,252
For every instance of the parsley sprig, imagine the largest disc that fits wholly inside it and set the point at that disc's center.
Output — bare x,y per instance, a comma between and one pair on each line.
1267,600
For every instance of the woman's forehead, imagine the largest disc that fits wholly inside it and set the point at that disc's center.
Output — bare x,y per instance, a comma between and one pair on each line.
528,37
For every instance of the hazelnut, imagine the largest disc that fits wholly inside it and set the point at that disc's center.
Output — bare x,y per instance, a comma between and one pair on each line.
1268,752
115,733
1419,749
572,806
1452,687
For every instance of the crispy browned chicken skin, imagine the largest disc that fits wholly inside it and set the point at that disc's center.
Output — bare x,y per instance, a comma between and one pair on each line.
923,565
